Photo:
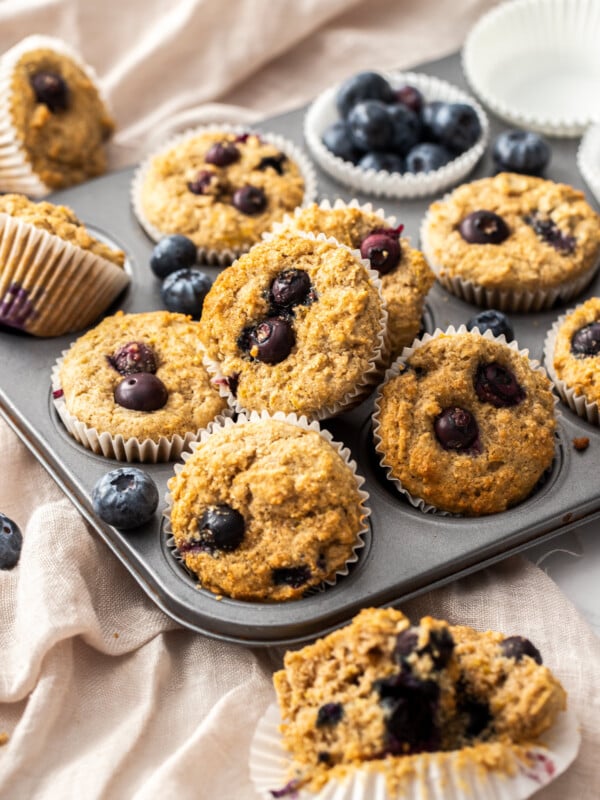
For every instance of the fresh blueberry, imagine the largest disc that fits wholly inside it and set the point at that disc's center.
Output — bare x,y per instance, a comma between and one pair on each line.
250,200
549,232
273,162
133,357
221,527
518,646
125,497
497,385
456,126
586,341
363,86
270,341
51,90
221,154
494,321
407,129
11,541
329,714
483,227
390,162
338,141
290,287
371,126
410,97
291,576
427,157
455,429
172,253
184,291
202,182
382,249
141,391
521,151
428,113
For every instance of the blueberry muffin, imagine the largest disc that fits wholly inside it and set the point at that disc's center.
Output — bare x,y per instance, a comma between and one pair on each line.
466,425
295,325
55,277
55,122
264,509
140,377
382,694
219,188
405,275
513,241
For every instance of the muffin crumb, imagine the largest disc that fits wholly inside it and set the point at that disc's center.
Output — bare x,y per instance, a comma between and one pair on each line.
581,443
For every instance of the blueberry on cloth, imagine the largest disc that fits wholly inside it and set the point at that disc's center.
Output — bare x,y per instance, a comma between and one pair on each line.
172,253
184,291
520,151
51,90
338,141
427,157
494,321
125,497
363,86
11,541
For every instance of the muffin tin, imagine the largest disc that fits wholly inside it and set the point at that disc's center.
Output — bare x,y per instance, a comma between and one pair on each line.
406,551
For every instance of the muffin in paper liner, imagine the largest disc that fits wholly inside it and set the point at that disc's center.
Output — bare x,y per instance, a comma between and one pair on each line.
254,417
16,171
573,397
323,113
376,365
454,775
535,64
588,159
208,255
49,286
396,368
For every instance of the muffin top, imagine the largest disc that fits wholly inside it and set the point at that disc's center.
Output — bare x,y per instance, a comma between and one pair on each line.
379,691
59,118
295,325
156,359
59,221
263,510
512,232
576,358
467,425
220,189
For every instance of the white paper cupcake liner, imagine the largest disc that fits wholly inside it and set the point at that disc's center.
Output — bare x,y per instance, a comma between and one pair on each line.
536,64
49,286
16,173
588,159
377,363
206,255
323,113
121,448
291,419
516,300
576,402
395,369
444,776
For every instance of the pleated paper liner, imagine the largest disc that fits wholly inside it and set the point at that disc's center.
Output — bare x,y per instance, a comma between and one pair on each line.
323,113
16,173
301,421
371,377
207,255
49,286
512,772
588,159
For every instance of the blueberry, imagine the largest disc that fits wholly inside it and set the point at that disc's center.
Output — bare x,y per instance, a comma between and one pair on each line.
382,249
290,287
456,126
133,357
455,429
410,97
428,113
202,182
518,646
250,200
363,86
497,385
494,321
521,151
483,227
440,647
586,341
406,643
270,341
141,392
273,162
221,154
477,713
292,576
184,291
221,527
410,705
390,162
126,497
371,126
329,714
172,253
51,90
406,129
547,230
427,157
338,141
11,541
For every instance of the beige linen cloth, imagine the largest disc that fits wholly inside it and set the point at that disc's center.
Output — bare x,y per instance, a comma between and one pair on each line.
101,695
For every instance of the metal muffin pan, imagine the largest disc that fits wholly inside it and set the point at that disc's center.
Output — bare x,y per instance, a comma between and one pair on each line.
407,552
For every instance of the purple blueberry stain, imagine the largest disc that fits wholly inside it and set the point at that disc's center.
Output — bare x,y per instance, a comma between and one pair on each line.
202,182
329,714
292,576
18,306
498,386
409,705
289,790
273,162
547,230
133,357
